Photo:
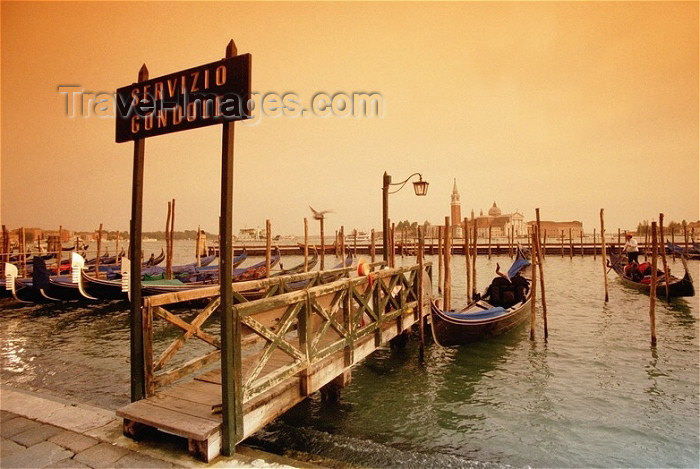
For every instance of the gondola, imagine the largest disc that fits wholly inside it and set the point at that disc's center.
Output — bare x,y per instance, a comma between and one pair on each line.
508,306
677,287
692,252
29,290
311,263
43,287
155,260
324,277
113,289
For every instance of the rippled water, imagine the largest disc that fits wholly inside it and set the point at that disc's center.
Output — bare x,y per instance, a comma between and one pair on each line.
594,394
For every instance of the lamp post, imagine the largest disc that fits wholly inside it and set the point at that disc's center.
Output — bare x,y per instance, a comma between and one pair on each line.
420,187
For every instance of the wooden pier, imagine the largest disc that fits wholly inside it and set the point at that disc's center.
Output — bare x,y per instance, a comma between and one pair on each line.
553,247
292,343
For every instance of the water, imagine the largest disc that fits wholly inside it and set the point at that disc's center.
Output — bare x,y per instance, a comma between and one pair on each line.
594,394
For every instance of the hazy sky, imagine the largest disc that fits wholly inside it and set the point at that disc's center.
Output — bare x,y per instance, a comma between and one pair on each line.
566,106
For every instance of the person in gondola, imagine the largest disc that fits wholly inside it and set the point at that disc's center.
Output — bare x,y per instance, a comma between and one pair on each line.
632,271
631,248
506,292
522,287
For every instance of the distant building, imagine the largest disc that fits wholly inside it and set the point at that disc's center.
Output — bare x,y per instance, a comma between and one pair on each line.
554,229
499,224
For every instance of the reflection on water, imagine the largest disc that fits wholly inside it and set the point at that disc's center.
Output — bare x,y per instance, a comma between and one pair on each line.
594,394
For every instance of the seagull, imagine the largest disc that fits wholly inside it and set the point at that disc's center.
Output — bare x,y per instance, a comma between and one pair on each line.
319,215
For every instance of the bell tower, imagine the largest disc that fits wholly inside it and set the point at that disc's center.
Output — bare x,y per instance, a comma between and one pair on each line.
456,212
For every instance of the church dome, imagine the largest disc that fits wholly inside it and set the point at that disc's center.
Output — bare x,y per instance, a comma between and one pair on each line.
494,211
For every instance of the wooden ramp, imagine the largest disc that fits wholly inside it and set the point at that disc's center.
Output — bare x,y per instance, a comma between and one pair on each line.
296,343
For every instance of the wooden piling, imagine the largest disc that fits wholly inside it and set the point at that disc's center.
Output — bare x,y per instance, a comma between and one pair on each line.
540,241
544,244
603,253
198,247
23,251
440,258
540,261
342,244
571,245
447,289
646,243
489,249
268,247
652,291
542,290
581,233
372,248
354,242
562,243
533,285
595,245
393,245
467,258
5,250
673,241
99,252
421,331
475,235
59,251
168,257
306,244
168,260
197,258
663,254
685,237
323,245
511,242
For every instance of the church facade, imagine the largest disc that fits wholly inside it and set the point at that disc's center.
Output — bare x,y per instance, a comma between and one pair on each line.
498,223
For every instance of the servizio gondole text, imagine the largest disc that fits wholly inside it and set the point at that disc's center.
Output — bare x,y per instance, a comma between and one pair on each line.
197,97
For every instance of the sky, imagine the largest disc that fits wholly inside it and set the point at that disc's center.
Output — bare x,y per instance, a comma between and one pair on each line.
569,107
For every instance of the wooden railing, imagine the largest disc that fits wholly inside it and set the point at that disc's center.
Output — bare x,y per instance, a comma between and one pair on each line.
283,332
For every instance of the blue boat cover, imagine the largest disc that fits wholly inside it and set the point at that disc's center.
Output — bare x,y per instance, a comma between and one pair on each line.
518,265
485,314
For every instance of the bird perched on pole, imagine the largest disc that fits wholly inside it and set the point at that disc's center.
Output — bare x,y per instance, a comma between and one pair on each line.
319,215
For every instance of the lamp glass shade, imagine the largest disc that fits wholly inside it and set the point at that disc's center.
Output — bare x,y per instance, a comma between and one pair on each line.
420,187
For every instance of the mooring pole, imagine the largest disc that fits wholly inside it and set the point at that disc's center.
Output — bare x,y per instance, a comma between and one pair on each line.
421,248
231,374
138,382
652,286
386,181
603,253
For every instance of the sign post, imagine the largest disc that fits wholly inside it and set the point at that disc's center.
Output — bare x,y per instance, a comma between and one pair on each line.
231,373
214,93
138,382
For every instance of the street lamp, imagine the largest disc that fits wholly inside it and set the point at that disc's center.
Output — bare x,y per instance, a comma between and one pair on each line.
420,187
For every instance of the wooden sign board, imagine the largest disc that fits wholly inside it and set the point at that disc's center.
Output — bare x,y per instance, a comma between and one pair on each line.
206,95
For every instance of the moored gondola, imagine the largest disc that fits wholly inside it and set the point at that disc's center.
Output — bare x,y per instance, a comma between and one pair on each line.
504,305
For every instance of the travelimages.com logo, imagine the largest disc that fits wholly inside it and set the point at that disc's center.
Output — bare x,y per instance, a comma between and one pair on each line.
84,104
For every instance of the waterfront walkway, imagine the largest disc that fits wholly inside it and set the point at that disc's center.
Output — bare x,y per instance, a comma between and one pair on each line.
42,431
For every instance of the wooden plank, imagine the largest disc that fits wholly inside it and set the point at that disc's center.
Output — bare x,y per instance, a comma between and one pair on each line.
208,449
196,391
176,404
187,368
188,426
259,412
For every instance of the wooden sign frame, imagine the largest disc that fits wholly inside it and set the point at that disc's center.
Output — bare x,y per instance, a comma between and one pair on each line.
236,86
